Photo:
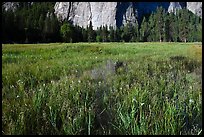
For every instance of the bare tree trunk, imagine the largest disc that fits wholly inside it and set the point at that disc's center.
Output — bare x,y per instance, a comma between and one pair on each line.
185,40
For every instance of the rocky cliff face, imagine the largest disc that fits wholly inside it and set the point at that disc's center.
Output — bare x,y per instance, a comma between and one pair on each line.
81,13
116,13
10,6
100,13
105,13
110,13
195,7
174,6
13,5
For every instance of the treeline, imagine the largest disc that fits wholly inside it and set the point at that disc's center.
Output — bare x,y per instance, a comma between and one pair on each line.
37,23
30,23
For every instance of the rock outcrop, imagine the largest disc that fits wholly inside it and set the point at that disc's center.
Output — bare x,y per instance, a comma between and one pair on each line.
13,6
10,6
174,6
99,13
195,7
130,15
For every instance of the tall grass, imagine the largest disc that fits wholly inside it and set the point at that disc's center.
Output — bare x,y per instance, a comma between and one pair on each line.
51,89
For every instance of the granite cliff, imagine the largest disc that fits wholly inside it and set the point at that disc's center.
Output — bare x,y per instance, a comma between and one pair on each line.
116,13
110,13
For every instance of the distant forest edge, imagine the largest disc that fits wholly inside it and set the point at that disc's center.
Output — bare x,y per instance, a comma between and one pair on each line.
38,24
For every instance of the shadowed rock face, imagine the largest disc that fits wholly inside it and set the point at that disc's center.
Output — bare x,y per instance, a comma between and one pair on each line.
126,13
148,7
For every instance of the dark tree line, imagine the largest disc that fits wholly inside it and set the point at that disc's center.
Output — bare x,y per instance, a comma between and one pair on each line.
30,23
183,26
37,23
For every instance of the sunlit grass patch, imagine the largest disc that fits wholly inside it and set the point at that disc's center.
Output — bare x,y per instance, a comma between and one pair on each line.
196,52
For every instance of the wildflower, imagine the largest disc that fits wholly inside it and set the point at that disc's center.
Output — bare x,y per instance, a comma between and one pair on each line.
142,104
134,99
20,82
191,101
17,96
79,81
89,83
127,86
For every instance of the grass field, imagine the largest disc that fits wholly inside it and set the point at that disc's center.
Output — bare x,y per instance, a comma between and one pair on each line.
102,88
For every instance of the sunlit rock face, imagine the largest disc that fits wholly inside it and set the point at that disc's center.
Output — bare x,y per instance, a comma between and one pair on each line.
113,14
99,13
81,13
13,6
10,6
174,6
195,7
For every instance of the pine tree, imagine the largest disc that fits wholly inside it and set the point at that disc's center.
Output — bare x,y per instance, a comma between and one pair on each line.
167,29
84,35
40,22
128,32
160,24
117,35
111,35
46,29
173,27
105,33
91,33
183,25
144,30
99,34
67,32
199,30
151,25
135,37
54,28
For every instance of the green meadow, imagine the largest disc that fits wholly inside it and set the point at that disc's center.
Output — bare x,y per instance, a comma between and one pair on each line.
102,88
